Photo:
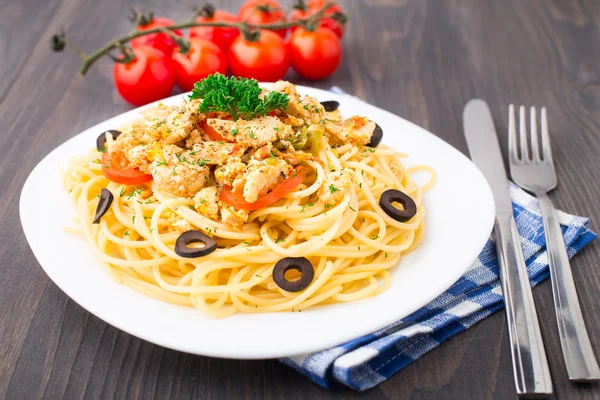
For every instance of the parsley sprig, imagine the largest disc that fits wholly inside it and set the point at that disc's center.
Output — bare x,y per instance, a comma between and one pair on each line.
236,96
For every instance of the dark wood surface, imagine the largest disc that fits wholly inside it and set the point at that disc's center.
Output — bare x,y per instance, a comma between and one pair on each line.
420,59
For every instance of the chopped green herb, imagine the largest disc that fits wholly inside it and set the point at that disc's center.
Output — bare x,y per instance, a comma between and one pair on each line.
246,242
192,207
304,206
122,192
271,154
133,219
159,163
260,276
126,233
70,190
386,254
234,131
352,208
333,189
375,237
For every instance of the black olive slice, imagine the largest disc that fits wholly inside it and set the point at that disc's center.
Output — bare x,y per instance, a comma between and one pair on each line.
330,105
377,136
106,199
301,265
101,141
392,195
182,249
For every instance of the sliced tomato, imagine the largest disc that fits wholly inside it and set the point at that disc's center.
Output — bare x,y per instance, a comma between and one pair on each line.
119,170
236,200
211,132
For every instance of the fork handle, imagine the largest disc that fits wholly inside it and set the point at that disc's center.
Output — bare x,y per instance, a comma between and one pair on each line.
574,340
530,365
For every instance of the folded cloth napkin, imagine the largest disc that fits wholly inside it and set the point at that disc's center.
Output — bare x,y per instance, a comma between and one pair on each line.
366,361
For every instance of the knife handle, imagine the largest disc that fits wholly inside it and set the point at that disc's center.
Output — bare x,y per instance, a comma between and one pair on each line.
530,365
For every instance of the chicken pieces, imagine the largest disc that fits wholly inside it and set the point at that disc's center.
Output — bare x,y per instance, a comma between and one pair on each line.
176,145
178,175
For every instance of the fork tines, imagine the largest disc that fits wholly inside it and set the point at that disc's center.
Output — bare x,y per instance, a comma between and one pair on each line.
521,152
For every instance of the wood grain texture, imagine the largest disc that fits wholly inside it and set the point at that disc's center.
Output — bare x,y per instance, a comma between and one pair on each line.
421,59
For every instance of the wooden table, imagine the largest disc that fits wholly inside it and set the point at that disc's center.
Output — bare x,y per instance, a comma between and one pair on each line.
422,60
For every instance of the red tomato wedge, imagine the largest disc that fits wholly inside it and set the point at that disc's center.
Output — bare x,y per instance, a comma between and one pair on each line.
118,170
212,132
236,200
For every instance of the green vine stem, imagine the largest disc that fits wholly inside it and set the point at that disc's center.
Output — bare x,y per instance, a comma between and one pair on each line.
87,60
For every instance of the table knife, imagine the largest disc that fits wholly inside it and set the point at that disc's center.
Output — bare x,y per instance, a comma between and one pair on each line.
530,365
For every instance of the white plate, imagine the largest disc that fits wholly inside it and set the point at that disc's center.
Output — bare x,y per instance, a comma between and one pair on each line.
460,214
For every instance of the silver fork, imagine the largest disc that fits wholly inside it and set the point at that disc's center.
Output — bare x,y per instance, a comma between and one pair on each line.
533,170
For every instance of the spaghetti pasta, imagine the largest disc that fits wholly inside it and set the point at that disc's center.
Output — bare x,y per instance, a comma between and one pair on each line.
352,244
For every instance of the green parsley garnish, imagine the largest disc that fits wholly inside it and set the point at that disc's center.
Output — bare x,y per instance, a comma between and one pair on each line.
352,208
304,206
236,96
234,131
333,189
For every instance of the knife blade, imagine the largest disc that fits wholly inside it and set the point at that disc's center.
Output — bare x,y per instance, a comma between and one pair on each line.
530,365
484,149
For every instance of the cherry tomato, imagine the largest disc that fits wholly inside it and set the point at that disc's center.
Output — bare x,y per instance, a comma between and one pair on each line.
237,201
223,37
160,41
149,77
118,170
335,26
315,55
298,13
313,7
259,12
266,60
203,59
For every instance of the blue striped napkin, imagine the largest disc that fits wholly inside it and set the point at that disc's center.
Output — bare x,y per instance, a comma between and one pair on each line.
366,361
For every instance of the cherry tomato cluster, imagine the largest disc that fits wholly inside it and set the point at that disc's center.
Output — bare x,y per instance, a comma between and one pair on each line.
157,64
